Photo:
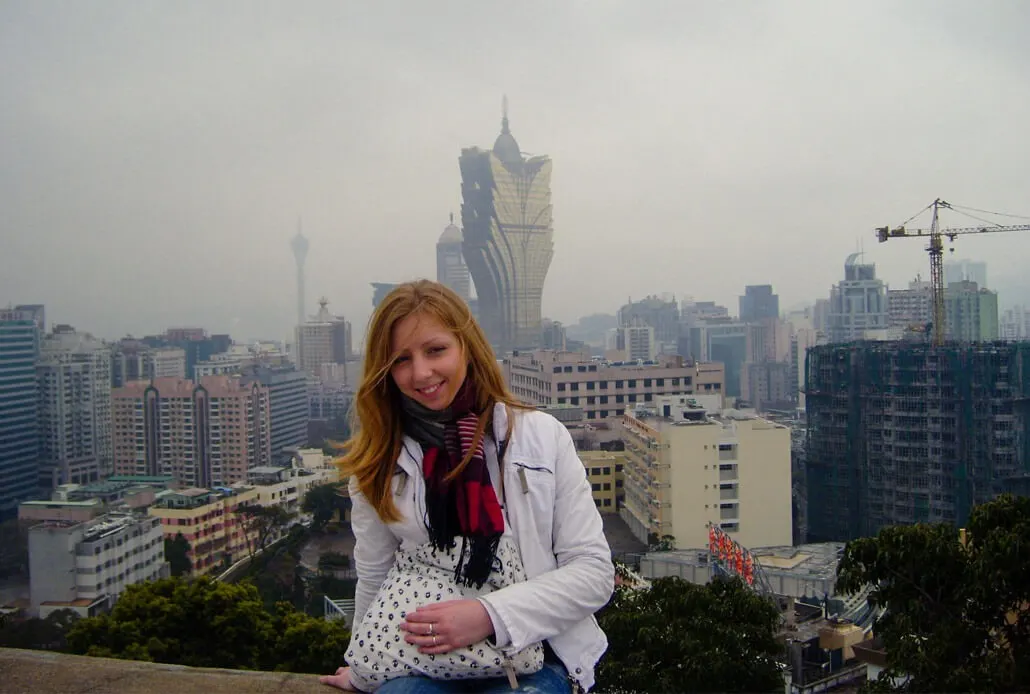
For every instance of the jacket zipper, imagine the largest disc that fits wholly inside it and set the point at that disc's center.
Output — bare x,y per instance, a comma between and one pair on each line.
509,670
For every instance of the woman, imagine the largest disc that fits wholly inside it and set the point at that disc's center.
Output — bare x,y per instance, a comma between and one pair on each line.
445,457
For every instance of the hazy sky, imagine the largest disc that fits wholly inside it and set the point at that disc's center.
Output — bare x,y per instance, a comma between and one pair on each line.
155,156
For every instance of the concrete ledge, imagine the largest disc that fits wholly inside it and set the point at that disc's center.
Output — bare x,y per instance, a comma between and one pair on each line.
46,672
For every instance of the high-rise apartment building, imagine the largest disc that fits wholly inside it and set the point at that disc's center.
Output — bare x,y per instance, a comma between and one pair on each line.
19,409
605,389
686,469
858,304
637,342
84,566
910,308
132,360
451,270
659,312
965,271
74,372
204,434
508,238
1015,324
325,339
971,313
288,406
759,303
902,433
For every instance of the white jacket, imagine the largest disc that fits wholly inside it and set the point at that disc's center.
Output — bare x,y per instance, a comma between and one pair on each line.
556,525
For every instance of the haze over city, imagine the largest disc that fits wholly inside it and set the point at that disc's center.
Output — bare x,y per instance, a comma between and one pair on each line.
157,158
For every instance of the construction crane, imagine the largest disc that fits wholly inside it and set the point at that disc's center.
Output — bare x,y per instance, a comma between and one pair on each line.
936,236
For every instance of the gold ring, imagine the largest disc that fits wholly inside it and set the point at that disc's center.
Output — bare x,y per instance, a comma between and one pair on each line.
434,639
430,628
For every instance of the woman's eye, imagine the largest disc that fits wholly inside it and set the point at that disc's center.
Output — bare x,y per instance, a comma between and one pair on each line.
400,360
436,350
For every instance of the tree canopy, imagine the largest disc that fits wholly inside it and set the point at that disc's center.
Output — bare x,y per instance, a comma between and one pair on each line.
204,623
677,636
177,553
957,616
322,502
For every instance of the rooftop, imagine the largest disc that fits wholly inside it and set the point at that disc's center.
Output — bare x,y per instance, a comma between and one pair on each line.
46,672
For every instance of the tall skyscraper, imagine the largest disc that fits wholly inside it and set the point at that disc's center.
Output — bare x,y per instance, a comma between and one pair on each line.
19,403
288,405
74,373
325,339
858,304
450,264
300,246
759,302
204,434
507,238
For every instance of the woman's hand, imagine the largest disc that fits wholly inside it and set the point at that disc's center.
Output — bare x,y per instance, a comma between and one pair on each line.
341,680
444,626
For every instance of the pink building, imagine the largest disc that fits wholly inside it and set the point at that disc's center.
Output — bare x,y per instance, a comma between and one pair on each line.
204,434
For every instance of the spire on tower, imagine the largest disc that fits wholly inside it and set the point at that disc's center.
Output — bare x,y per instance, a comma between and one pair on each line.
504,114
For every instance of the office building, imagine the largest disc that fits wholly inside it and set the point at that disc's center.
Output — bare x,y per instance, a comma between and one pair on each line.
132,360
451,270
912,308
380,291
74,372
508,238
965,271
605,389
858,304
324,339
902,433
686,469
203,434
1015,324
636,342
84,566
659,312
288,406
971,313
759,303
19,409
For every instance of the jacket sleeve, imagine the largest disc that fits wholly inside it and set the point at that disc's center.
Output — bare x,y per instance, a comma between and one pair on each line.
584,579
374,548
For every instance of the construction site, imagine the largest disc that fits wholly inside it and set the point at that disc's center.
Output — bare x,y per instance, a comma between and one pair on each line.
902,433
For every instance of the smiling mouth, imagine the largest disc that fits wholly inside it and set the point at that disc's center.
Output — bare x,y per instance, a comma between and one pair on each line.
431,390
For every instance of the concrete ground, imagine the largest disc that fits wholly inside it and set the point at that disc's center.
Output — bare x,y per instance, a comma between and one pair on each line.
44,672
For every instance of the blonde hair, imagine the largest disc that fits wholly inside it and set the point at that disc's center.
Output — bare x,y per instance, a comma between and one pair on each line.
373,449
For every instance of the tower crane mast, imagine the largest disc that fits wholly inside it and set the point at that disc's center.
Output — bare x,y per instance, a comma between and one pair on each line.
935,247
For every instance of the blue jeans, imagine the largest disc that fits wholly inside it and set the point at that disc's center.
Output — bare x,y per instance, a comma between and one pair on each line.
553,678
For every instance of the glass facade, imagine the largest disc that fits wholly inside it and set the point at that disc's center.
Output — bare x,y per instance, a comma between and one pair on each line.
19,414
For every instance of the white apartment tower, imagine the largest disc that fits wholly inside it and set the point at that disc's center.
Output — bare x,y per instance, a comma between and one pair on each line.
74,374
686,469
325,339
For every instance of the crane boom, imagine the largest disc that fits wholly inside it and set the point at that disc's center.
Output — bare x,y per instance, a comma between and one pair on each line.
936,250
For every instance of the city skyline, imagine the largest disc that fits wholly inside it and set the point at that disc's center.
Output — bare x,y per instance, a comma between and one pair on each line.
737,158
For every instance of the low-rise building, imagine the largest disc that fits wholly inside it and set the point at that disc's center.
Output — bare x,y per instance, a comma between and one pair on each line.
604,471
84,566
605,388
686,469
209,521
286,486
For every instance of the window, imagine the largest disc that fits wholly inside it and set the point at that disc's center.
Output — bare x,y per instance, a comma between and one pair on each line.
647,382
591,400
632,383
590,385
557,370
660,382
607,502
573,401
561,387
595,471
607,486
632,398
596,486
620,398
604,414
597,502
618,384
568,369
604,399
602,385
581,369
618,468
675,381
573,386
561,401
607,471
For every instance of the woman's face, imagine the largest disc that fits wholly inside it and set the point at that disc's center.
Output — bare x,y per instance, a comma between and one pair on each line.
429,366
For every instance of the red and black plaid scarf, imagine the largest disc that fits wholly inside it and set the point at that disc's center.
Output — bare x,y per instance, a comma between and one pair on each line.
467,506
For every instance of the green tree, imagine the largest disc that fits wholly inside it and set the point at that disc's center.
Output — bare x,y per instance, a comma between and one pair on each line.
47,634
321,502
956,616
262,524
677,636
14,548
177,554
204,623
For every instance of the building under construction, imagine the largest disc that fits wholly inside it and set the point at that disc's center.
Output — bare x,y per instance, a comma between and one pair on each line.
901,433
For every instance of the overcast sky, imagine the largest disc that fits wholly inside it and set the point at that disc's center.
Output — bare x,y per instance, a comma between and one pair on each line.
155,157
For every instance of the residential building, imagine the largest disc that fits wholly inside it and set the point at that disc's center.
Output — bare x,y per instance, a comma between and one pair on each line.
686,469
605,474
767,385
903,433
636,342
759,303
19,409
910,308
1015,324
661,313
965,271
288,406
74,372
209,521
85,566
733,344
508,238
132,360
199,347
858,304
286,486
605,389
451,270
552,335
971,313
325,339
203,434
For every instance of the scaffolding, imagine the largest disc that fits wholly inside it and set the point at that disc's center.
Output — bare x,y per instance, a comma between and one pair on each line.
903,433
